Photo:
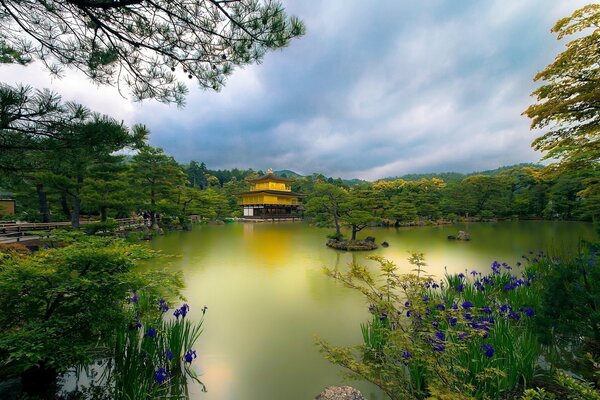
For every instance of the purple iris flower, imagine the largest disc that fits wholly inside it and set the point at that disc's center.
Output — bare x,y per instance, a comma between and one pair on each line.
189,356
151,332
162,305
530,312
488,350
160,375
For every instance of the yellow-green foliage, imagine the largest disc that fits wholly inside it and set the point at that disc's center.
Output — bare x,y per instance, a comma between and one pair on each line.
537,394
433,340
578,390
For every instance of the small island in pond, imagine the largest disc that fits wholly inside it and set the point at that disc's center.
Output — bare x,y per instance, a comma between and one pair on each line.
353,245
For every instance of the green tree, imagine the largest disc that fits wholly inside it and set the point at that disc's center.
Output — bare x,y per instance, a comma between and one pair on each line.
141,44
156,176
230,191
107,187
211,204
89,145
327,205
197,174
426,196
568,103
402,211
357,210
478,194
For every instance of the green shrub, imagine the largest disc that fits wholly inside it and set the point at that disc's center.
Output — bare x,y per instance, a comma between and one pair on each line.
568,321
101,227
464,337
61,306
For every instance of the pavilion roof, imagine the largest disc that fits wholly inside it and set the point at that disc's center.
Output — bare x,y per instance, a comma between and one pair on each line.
277,192
270,177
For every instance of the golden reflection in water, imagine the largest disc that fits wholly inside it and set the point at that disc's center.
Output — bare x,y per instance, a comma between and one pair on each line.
271,246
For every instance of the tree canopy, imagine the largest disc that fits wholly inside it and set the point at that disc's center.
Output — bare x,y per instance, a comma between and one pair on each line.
145,46
568,103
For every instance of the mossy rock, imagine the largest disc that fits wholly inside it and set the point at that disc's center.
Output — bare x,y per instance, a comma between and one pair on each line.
351,245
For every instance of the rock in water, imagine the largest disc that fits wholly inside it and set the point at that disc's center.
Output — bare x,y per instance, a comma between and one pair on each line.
340,393
385,244
462,235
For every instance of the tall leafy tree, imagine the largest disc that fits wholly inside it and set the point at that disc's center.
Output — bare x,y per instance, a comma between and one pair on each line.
141,44
107,187
357,212
89,146
568,103
327,205
156,176
197,174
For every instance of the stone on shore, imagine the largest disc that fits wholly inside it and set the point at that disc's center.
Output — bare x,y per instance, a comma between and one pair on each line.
340,393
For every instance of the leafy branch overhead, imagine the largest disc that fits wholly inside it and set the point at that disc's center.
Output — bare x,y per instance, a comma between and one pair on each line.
145,46
568,104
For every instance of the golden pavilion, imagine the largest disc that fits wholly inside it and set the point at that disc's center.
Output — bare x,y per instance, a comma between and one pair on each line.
270,198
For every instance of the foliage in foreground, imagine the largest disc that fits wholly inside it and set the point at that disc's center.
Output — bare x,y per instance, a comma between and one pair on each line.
152,356
62,306
467,336
478,335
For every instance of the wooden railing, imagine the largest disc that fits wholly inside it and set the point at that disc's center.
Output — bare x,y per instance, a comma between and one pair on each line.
11,232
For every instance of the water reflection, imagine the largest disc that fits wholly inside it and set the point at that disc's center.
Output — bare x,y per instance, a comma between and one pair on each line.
268,297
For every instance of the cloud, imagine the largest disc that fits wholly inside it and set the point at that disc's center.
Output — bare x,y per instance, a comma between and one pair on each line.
370,91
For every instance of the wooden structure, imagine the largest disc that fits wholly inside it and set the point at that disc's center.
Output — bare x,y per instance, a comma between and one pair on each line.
8,207
21,231
271,198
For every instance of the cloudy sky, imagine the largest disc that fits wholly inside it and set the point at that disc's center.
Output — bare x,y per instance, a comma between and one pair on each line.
373,89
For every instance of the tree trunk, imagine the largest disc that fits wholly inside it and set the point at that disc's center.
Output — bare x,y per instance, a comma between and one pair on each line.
76,205
354,230
76,212
65,204
103,216
153,224
43,200
336,221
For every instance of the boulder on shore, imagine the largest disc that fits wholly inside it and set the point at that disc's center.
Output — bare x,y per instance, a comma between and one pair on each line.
340,393
351,245
462,235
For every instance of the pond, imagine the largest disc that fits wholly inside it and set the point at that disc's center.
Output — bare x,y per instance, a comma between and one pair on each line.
268,297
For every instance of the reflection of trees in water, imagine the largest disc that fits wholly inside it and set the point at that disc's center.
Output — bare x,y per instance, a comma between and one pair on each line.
340,259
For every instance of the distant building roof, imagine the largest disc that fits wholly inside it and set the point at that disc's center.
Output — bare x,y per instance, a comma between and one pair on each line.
277,192
270,177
